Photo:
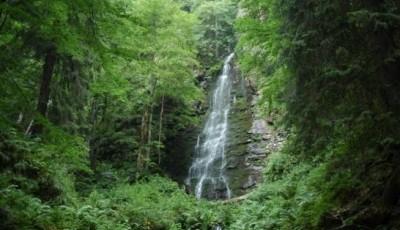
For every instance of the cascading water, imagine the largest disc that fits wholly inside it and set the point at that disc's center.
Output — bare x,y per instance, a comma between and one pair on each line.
206,175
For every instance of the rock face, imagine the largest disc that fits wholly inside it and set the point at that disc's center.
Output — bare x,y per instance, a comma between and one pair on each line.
240,176
179,152
243,153
250,139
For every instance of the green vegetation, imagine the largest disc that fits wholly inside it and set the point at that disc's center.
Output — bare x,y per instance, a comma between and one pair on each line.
91,92
330,68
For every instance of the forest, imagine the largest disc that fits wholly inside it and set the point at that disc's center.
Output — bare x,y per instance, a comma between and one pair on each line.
102,101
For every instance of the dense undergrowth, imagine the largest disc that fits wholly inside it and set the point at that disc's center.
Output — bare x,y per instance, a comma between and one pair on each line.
330,69
49,192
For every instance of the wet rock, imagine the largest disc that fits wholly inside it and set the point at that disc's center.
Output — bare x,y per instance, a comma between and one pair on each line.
257,169
220,186
254,158
254,102
259,127
270,121
266,137
251,182
180,150
240,142
257,149
232,163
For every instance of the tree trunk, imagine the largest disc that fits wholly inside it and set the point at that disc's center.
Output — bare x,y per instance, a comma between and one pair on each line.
143,140
92,144
20,118
216,39
160,129
104,114
44,94
3,21
149,137
28,129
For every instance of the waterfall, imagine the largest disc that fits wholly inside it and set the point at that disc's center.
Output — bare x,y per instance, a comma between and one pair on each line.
206,174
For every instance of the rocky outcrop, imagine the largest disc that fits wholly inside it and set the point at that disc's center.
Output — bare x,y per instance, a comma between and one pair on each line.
251,139
179,152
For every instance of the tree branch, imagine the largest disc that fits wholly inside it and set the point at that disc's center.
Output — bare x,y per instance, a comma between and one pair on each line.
3,22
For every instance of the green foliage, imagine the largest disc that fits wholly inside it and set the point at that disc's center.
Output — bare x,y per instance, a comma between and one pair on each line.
215,32
295,195
156,204
259,51
123,83
155,62
43,168
330,68
106,77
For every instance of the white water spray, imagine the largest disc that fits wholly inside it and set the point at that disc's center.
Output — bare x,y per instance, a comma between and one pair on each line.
206,175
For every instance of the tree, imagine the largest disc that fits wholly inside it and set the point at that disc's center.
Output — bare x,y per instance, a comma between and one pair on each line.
333,66
215,33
